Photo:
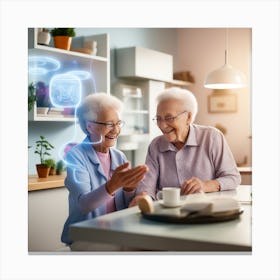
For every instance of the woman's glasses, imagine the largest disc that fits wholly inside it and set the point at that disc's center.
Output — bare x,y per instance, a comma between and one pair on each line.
168,120
110,125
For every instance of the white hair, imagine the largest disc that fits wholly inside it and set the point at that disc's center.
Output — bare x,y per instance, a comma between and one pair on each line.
95,103
186,98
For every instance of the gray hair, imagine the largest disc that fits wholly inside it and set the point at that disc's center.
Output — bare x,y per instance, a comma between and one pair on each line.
93,105
186,98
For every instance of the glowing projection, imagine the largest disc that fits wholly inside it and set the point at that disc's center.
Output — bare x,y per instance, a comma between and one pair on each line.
42,65
65,90
74,170
83,75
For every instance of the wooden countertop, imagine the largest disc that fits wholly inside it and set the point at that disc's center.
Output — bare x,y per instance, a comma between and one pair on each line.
57,181
52,181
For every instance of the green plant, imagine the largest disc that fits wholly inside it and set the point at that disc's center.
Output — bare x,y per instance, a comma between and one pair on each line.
50,162
31,96
42,148
60,167
63,32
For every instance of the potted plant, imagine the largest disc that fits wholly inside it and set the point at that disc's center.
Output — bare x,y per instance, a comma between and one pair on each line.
52,164
42,149
31,96
63,37
60,167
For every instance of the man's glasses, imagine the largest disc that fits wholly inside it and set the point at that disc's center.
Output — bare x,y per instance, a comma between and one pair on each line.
110,125
168,120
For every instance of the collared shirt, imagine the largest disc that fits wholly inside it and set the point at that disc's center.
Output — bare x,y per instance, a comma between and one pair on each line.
205,155
86,181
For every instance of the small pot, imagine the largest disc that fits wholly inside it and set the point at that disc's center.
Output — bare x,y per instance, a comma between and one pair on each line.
42,170
59,171
52,171
62,42
44,37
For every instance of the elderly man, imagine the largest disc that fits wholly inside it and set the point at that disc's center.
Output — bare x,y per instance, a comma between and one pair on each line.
191,157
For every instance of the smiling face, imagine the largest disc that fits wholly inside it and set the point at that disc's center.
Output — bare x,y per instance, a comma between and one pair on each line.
108,135
175,131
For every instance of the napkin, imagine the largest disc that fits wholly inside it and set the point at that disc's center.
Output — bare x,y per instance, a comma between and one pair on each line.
213,205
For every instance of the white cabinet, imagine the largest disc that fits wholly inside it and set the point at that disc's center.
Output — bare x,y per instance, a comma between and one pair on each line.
138,97
71,73
47,213
144,63
135,108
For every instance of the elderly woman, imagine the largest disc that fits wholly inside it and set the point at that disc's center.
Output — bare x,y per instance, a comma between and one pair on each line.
192,157
99,179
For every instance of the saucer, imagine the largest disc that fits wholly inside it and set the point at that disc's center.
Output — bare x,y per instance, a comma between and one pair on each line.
181,203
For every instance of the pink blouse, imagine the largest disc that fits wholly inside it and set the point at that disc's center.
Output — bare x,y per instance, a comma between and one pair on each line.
105,161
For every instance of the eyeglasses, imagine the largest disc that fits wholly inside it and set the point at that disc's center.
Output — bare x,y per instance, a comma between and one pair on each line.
168,120
110,125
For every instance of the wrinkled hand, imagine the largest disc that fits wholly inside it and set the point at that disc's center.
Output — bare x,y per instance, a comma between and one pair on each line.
136,199
126,177
193,185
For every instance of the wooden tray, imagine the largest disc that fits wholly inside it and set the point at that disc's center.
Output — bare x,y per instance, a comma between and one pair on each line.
185,217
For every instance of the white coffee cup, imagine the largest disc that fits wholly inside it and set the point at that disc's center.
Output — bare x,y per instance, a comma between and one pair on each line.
170,196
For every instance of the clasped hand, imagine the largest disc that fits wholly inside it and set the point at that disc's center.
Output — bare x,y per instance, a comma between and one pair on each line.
193,185
126,177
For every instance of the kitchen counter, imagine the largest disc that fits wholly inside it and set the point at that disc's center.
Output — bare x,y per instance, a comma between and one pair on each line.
246,174
52,181
245,169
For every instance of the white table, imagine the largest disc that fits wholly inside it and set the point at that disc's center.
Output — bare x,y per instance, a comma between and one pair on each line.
128,228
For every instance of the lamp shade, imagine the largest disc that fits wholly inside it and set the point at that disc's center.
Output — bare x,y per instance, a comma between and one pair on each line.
225,77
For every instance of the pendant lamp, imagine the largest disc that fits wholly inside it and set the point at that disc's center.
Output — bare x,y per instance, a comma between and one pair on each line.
226,77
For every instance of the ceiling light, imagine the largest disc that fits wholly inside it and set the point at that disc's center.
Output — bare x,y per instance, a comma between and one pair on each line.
226,77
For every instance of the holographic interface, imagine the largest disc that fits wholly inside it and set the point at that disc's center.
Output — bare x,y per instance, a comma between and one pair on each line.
65,91
42,65
83,75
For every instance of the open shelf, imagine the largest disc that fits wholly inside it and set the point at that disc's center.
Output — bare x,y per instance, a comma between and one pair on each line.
51,64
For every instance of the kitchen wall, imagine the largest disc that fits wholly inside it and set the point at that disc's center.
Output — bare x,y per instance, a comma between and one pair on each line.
196,50
201,50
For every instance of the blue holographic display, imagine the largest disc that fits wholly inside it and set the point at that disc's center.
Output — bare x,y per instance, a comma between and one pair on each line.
83,75
65,90
41,65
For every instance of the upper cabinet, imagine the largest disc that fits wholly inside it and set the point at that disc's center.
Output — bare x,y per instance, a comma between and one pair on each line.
145,64
63,78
